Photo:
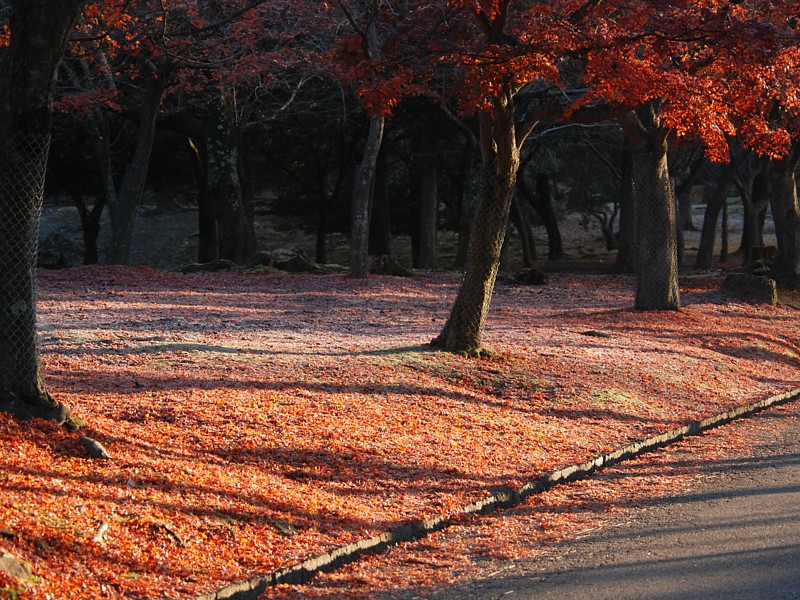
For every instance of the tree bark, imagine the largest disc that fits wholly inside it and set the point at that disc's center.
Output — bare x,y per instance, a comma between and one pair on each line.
755,200
90,225
380,221
542,202
208,229
714,204
428,215
626,240
786,214
656,247
361,206
522,223
38,37
468,202
463,330
123,207
236,237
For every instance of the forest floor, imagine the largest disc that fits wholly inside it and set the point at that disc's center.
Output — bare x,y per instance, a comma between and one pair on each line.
256,420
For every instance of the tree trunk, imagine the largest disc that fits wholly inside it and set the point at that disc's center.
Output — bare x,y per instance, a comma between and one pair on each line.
124,206
90,225
724,242
542,202
321,247
522,223
714,203
626,240
363,188
755,196
463,330
469,201
38,36
208,229
656,248
380,221
786,214
235,229
428,215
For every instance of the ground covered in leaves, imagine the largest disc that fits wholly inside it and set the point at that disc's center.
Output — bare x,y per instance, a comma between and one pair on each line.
255,421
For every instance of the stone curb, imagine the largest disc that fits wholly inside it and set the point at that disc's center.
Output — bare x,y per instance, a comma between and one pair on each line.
304,571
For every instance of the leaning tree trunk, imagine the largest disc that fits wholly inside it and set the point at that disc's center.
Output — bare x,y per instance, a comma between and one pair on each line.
363,189
124,206
463,330
38,36
786,214
656,246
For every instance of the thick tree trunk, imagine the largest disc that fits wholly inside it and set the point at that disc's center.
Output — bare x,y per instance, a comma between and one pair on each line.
463,330
123,208
363,188
38,36
786,214
656,248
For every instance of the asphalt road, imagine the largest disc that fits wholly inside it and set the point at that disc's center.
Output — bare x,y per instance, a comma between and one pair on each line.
735,537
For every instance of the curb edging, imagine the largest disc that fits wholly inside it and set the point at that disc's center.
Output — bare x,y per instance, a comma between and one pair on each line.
304,571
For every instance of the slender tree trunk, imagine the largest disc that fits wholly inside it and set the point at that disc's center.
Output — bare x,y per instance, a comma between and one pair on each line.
724,233
380,221
123,208
463,331
236,236
522,223
38,36
321,247
208,227
90,225
428,216
626,240
786,214
469,201
363,189
543,204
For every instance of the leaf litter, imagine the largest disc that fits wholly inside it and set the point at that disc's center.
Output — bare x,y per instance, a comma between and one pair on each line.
255,421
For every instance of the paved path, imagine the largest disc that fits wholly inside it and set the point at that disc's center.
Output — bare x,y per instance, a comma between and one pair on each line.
736,537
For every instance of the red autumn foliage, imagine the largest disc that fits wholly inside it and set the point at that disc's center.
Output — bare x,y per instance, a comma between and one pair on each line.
257,420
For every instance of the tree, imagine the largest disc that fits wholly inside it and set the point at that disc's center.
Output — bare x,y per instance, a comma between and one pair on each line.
38,33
